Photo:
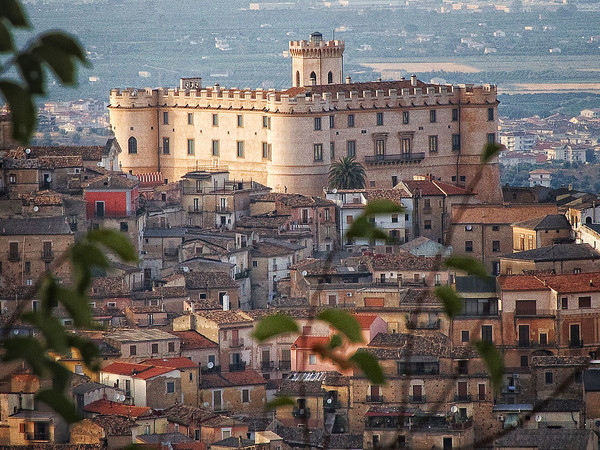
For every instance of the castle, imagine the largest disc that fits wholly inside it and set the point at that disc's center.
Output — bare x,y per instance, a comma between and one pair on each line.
287,139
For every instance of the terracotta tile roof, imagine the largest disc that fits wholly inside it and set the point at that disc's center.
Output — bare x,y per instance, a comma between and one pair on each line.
308,342
397,345
420,297
153,372
231,379
547,438
145,309
394,195
268,220
42,198
125,368
573,282
106,407
114,425
87,153
161,292
365,320
548,222
175,363
55,225
109,287
187,415
521,283
294,200
113,181
269,250
225,317
556,252
44,162
434,187
560,361
192,340
404,260
205,280
499,214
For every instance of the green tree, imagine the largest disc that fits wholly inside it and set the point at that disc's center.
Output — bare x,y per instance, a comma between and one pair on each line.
346,173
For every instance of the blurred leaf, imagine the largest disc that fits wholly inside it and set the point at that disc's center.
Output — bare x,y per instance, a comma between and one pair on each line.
6,39
61,376
280,401
59,403
369,366
274,325
493,360
362,228
382,207
47,294
51,328
77,306
115,241
453,303
335,341
344,322
88,350
66,43
60,62
22,109
12,10
469,265
31,70
27,348
490,150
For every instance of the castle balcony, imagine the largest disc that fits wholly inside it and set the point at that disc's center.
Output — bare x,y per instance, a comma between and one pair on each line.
395,159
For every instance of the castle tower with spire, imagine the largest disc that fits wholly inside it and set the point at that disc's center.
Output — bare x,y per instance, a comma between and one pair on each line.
316,62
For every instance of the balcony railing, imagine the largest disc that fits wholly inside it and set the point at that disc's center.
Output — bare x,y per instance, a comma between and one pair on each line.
239,342
237,367
213,369
395,159
463,398
195,210
424,325
301,413
224,209
461,424
576,343
267,365
417,399
285,365
47,255
242,274
374,398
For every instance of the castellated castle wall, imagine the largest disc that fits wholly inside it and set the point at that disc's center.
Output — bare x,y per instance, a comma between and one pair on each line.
280,138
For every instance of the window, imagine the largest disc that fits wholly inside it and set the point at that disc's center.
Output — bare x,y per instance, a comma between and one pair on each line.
350,120
331,121
491,138
166,149
465,336
379,118
463,367
124,226
190,118
265,150
318,152
215,120
171,346
427,224
332,150
524,361
578,377
349,219
254,263
196,435
351,145
215,148
564,303
245,396
265,120
326,215
13,251
577,270
432,115
454,114
154,349
405,145
456,142
380,148
468,246
240,121
165,118
190,146
240,149
312,359
486,333
495,246
549,376
99,209
131,146
394,218
585,302
27,267
170,387
132,350
433,144
495,227
317,123
490,113
405,117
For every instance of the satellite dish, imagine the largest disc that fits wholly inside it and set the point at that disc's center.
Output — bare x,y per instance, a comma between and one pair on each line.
16,332
117,396
334,191
185,268
454,409
304,273
28,151
48,178
469,227
36,209
122,397
597,423
329,401
210,365
538,418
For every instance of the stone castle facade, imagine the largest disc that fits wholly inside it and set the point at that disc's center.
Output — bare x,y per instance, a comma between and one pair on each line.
287,139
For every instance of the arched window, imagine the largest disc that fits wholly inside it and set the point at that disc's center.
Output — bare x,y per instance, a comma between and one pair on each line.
313,78
330,77
588,220
132,145
297,78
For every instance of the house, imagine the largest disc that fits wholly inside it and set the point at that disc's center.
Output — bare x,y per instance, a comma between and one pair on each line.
189,375
199,349
204,285
235,392
558,258
113,431
541,232
540,177
86,393
146,316
423,246
137,345
28,428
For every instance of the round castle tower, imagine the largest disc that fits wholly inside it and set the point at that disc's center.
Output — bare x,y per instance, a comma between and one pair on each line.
316,62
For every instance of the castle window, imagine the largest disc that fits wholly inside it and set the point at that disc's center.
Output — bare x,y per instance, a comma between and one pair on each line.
379,118
433,144
240,121
166,149
350,120
215,120
405,117
190,146
266,122
318,152
380,149
190,118
215,148
297,78
490,113
165,118
131,145
240,149
266,151
332,121
456,142
330,78
313,78
332,150
405,145
432,115
491,138
351,149
454,114
317,123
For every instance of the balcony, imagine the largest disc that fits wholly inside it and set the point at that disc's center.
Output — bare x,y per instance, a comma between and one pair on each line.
237,367
194,210
213,369
374,398
463,398
331,404
576,343
301,413
14,256
511,390
242,274
395,159
267,365
417,399
224,209
239,342
285,365
461,424
47,255
435,325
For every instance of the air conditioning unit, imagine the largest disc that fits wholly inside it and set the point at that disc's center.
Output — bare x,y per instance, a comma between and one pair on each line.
516,375
501,417
349,294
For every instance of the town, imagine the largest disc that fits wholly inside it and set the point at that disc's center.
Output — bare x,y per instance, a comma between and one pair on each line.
224,195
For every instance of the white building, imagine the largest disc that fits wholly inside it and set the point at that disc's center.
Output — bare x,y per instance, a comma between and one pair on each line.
540,177
569,153
593,113
518,141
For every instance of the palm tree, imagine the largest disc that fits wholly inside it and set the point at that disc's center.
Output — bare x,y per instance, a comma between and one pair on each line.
346,173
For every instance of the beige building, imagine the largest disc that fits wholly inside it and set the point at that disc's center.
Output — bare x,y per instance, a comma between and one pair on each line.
288,139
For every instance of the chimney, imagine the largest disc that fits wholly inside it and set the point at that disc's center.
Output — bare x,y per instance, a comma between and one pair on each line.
413,80
348,80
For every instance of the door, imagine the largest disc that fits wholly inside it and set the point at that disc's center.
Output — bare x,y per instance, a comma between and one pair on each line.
332,300
462,391
523,335
235,338
574,333
481,392
99,209
266,359
217,400
417,392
